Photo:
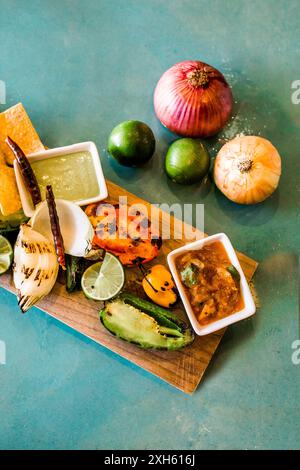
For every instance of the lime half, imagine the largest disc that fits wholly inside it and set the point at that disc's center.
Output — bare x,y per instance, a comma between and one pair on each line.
104,280
6,254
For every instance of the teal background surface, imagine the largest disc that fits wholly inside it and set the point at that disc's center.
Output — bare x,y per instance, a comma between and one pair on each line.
81,67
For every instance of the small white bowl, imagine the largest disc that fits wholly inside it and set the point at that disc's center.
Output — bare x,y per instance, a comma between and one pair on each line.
249,305
26,200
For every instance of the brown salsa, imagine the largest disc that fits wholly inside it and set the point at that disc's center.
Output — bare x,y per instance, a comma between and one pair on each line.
211,282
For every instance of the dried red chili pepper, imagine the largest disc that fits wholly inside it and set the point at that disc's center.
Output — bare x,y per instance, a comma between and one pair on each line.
54,222
26,171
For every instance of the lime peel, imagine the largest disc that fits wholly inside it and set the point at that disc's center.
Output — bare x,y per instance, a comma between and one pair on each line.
103,280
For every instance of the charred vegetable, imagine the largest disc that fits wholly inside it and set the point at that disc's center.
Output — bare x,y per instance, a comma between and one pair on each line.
159,286
75,269
144,324
132,240
26,171
159,313
35,267
54,221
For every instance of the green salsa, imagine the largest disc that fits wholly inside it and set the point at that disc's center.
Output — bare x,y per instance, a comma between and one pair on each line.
72,176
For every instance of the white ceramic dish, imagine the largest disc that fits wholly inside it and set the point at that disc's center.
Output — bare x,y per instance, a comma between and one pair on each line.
249,305
28,207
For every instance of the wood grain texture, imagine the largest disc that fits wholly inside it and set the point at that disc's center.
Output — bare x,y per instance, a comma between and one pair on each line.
182,369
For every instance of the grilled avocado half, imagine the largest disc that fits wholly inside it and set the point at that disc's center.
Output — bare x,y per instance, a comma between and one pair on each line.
145,324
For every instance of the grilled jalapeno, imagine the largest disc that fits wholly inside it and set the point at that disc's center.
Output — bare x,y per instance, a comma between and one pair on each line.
145,324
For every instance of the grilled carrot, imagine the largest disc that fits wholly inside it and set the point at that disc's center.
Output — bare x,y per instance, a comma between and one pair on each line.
54,222
26,171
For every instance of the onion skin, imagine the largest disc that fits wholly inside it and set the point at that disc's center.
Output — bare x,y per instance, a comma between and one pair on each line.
247,169
193,99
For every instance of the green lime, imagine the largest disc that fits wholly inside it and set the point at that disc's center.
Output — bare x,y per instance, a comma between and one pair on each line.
103,280
6,254
131,143
187,161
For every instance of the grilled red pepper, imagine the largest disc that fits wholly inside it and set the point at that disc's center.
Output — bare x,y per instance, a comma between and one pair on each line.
54,222
26,171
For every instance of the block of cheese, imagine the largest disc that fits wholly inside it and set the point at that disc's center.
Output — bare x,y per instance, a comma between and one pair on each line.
15,122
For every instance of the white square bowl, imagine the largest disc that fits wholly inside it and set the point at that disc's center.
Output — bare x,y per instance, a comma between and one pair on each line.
26,200
249,305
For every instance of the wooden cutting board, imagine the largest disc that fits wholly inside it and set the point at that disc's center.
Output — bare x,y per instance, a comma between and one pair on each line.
183,369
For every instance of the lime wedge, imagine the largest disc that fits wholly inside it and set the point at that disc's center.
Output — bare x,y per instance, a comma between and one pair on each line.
6,254
104,280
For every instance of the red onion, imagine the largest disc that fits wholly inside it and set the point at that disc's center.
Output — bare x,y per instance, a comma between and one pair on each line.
193,99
